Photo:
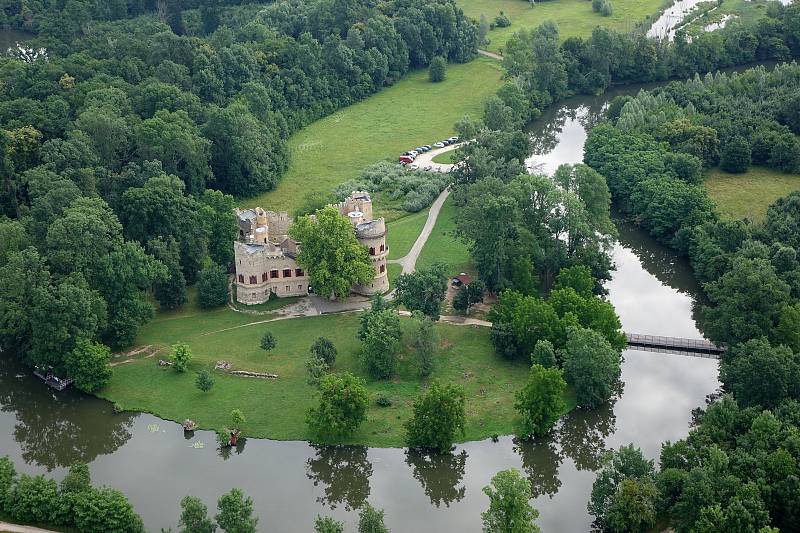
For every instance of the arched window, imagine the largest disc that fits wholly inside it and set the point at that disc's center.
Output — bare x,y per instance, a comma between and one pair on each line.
371,250
241,278
253,280
383,269
264,276
383,248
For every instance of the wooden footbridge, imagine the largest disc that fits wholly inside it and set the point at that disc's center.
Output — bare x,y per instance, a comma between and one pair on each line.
676,345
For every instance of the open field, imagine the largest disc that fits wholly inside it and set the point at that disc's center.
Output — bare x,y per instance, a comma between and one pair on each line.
575,18
443,247
276,408
413,111
748,11
749,194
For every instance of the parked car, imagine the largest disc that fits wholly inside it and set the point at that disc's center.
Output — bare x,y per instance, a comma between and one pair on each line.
414,153
439,145
406,159
421,149
427,146
413,166
453,139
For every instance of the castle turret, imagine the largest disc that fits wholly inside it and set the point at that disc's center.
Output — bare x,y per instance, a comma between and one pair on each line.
372,234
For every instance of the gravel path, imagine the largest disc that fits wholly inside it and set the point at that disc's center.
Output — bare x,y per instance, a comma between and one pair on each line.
14,528
490,54
426,158
409,261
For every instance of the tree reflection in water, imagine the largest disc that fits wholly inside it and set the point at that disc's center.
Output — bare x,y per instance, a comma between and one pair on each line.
225,452
345,473
441,475
583,432
540,461
58,429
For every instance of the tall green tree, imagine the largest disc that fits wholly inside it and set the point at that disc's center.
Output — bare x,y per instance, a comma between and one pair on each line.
591,366
380,342
343,402
370,520
330,253
423,290
509,510
540,402
194,517
88,365
212,286
438,418
235,512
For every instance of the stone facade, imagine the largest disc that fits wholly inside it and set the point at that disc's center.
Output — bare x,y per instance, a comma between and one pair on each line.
265,255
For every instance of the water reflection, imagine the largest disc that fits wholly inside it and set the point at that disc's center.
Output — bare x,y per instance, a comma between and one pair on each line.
344,471
440,475
541,459
57,430
583,433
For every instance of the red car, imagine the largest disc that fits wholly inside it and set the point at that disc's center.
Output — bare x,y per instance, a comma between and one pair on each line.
406,159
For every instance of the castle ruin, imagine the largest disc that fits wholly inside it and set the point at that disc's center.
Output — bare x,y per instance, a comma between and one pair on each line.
266,256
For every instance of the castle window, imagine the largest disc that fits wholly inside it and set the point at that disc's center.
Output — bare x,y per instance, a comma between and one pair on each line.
287,288
287,272
241,278
253,280
299,272
273,274
264,276
383,247
371,250
383,268
299,287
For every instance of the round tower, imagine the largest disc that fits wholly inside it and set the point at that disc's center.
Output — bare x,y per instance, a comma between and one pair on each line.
372,234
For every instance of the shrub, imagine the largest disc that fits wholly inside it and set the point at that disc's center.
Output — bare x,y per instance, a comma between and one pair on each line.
33,499
325,350
383,401
606,10
180,356
540,403
597,5
204,380
105,509
7,476
502,21
268,341
370,520
316,368
438,69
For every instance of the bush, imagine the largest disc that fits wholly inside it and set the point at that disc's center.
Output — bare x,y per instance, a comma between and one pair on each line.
735,155
316,367
597,5
438,69
502,21
180,356
606,10
212,286
204,380
370,520
325,350
33,499
383,401
105,509
7,476
268,341
540,403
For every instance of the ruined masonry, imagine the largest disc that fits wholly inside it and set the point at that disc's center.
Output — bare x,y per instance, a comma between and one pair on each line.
266,257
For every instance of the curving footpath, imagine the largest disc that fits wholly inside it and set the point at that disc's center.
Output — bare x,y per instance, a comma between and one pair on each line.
15,528
409,261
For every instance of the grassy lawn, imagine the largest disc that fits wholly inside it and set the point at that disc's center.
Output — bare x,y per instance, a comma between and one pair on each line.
574,17
448,157
276,408
745,10
749,194
413,111
402,234
443,247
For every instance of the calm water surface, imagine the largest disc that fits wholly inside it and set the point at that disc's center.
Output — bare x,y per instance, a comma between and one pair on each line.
291,482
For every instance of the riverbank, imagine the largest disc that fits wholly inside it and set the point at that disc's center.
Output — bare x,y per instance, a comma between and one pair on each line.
276,408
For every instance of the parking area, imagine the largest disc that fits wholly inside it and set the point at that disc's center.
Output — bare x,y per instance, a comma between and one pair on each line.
424,160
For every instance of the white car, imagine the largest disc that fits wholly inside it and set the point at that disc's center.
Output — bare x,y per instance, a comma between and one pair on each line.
439,145
413,153
413,166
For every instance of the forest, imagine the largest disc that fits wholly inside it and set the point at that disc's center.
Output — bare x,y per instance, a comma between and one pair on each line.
128,128
738,469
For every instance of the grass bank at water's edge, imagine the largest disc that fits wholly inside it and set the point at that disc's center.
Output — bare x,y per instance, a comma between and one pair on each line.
277,408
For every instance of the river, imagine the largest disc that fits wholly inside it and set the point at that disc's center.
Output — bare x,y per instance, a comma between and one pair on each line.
291,482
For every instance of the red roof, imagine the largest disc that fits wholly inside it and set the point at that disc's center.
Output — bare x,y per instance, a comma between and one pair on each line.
464,278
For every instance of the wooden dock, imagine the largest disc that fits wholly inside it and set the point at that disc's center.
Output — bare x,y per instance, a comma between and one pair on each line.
676,345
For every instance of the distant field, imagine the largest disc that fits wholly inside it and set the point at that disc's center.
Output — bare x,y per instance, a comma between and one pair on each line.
443,247
412,112
401,234
574,17
745,10
748,195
